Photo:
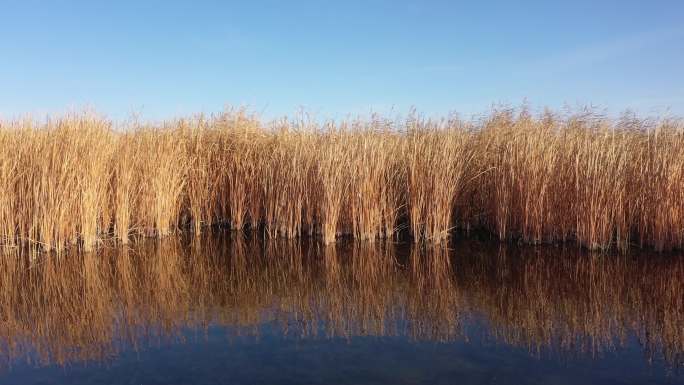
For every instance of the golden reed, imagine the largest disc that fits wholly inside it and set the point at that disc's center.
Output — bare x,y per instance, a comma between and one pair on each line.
79,180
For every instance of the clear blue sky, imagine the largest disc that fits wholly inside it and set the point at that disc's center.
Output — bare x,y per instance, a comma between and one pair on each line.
166,58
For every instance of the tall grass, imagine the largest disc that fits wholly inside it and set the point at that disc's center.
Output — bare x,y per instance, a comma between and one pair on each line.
78,180
438,163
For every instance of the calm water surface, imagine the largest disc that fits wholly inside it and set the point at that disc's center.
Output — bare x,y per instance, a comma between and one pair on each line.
230,310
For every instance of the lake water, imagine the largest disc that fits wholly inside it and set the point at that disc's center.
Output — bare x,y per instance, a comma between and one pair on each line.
225,309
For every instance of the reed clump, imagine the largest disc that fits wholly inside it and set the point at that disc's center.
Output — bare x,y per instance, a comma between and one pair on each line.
79,180
438,156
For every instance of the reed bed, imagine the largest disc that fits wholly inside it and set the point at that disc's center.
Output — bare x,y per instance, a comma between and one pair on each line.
79,180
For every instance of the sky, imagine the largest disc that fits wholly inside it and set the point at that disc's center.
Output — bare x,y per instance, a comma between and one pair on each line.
164,59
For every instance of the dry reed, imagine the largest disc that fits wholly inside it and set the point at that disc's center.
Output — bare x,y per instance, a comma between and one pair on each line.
603,183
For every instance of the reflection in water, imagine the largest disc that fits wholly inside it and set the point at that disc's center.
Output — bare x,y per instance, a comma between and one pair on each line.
94,306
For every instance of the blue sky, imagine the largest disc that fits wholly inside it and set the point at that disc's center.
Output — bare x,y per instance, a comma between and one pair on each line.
160,59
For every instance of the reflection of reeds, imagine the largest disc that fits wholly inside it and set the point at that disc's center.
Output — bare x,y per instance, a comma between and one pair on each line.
577,303
91,306
78,181
434,301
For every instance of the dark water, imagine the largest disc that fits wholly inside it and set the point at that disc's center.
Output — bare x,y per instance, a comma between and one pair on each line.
227,310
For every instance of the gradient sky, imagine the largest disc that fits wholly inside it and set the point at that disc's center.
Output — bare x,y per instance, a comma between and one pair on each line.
160,59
